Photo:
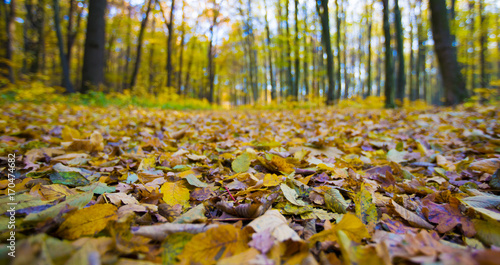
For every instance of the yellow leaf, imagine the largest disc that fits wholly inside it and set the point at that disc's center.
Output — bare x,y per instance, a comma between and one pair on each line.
350,224
272,180
87,221
365,208
55,191
216,243
282,165
68,134
175,193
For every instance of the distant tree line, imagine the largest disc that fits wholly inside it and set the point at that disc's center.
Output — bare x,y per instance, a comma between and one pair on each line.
256,52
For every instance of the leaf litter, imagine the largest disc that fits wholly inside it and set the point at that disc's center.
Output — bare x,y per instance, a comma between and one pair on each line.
131,185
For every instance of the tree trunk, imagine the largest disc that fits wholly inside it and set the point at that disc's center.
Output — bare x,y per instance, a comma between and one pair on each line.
339,57
306,55
389,75
151,57
93,59
6,66
401,78
57,23
169,44
454,86
270,56
369,59
411,68
127,50
181,53
72,32
483,44
137,63
189,66
296,53
322,8
288,51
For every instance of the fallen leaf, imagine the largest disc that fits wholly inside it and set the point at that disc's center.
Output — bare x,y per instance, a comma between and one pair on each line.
175,193
486,165
214,244
335,201
291,195
241,163
87,221
411,217
350,224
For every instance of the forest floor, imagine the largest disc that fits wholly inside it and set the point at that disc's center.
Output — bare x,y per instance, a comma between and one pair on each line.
327,186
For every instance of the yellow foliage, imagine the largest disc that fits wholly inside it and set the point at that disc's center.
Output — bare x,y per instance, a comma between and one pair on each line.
216,243
175,193
87,221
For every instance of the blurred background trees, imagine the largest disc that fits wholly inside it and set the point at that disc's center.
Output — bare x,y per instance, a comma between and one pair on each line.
256,51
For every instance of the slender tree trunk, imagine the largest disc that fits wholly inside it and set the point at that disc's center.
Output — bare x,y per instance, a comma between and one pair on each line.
128,49
420,68
472,62
169,44
137,63
69,32
189,67
181,52
6,66
369,59
401,78
483,44
280,50
454,86
296,53
210,66
151,57
322,8
379,73
389,75
57,23
39,26
411,68
306,54
270,56
339,54
344,51
288,51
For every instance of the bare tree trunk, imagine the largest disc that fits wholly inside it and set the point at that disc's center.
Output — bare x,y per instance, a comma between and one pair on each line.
151,57
288,51
344,51
483,44
270,56
189,66
71,31
169,44
401,78
295,95
181,52
454,86
306,56
339,54
389,76
369,59
411,68
127,50
57,23
6,66
137,63
322,8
